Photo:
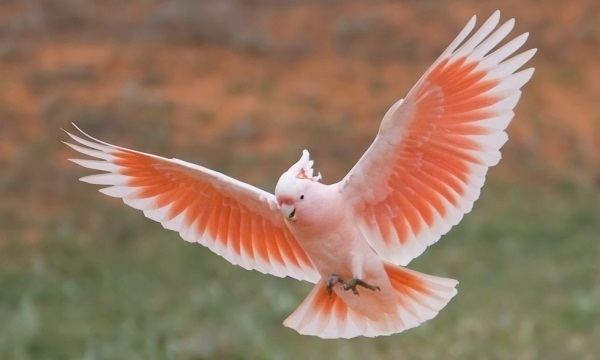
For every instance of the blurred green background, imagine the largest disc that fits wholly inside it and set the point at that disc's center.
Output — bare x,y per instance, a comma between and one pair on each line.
242,87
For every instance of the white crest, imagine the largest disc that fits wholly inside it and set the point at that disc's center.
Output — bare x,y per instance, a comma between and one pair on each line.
303,169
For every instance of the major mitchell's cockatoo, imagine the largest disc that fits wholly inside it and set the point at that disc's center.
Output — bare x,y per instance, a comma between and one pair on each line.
352,239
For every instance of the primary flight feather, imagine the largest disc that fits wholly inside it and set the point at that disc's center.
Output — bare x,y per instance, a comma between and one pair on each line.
420,176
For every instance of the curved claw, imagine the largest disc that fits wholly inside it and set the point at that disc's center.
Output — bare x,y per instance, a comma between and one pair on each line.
352,285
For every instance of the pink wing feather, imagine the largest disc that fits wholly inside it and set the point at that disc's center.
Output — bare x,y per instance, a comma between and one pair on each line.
231,218
429,160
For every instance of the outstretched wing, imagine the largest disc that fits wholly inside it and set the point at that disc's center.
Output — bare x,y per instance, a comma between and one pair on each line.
231,218
429,160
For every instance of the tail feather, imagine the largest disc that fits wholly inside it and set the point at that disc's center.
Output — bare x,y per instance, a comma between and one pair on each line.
419,298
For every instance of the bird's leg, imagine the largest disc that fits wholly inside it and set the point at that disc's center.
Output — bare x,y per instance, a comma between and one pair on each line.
331,281
352,284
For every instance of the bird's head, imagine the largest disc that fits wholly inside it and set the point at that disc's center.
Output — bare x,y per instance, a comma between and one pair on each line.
295,187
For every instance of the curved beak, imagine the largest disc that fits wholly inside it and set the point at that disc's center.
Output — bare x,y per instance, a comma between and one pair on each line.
288,211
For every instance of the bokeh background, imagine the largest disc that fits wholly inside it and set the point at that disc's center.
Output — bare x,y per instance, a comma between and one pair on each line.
242,87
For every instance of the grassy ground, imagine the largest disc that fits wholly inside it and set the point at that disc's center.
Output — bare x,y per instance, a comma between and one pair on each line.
527,261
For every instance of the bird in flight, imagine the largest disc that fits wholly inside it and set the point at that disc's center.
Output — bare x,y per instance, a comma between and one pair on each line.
352,239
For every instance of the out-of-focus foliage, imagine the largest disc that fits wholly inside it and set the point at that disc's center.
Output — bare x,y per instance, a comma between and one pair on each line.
527,262
242,86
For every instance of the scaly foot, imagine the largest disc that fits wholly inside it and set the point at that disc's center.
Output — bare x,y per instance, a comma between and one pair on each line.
352,284
331,281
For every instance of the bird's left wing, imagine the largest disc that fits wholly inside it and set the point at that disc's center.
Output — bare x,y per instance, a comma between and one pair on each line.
429,160
233,219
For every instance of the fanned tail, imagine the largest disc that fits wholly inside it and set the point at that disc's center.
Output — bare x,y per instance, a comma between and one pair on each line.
419,298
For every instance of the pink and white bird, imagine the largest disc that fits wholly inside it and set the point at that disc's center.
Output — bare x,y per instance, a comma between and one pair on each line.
353,238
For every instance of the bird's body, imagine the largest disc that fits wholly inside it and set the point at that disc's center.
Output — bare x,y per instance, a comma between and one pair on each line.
422,173
325,233
335,244
324,229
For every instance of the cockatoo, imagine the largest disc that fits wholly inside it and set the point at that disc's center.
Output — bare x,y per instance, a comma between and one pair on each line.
353,238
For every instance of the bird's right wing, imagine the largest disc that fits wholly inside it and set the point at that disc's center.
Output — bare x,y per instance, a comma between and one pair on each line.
428,162
233,219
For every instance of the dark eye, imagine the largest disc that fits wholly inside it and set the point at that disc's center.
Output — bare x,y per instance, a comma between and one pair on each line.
301,197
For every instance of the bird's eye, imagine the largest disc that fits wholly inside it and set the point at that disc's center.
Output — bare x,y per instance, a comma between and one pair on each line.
301,197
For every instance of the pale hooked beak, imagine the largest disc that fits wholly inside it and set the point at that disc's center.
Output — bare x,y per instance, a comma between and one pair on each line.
288,211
